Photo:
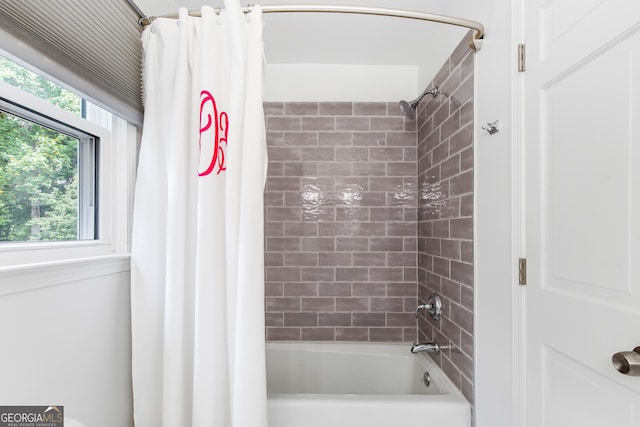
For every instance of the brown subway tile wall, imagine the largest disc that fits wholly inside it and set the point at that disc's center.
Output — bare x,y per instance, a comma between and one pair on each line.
445,214
367,214
340,222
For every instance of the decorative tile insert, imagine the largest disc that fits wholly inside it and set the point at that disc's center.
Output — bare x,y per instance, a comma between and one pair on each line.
445,214
340,222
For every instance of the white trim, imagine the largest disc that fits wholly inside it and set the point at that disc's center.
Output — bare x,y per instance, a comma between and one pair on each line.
518,223
14,254
117,176
494,263
47,109
24,278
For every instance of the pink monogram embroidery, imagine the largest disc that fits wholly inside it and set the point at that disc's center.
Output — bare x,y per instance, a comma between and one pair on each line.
219,133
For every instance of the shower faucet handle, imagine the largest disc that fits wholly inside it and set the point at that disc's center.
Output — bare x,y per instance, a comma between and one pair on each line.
433,306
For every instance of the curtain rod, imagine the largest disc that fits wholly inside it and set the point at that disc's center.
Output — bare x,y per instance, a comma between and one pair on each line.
476,27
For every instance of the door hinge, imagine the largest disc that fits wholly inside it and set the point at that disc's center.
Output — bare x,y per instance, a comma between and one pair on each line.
522,57
522,271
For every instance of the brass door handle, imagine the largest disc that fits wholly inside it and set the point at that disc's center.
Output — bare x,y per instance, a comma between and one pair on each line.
627,362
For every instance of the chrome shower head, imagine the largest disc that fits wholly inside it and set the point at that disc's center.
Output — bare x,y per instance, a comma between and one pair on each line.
409,108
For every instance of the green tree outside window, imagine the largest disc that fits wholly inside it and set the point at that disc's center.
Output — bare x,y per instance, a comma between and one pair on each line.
38,167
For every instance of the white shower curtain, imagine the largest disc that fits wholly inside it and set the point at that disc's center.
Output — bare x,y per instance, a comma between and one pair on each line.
197,251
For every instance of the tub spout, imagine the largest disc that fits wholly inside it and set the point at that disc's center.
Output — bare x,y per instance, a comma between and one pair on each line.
429,347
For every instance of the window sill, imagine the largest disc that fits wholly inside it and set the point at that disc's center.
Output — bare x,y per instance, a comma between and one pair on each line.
30,253
28,277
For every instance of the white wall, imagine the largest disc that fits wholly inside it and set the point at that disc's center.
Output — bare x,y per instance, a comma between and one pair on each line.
66,340
326,82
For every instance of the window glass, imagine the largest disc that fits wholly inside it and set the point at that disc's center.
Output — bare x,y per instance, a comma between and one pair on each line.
47,167
40,182
20,77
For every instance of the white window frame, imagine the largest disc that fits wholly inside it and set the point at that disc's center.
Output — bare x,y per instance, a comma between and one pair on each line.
87,163
116,173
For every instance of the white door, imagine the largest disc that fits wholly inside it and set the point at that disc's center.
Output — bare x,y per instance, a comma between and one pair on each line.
582,151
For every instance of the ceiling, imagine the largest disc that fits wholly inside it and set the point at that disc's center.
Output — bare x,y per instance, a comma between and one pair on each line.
319,38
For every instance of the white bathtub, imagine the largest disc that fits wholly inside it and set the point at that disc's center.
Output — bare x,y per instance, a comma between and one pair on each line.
352,385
